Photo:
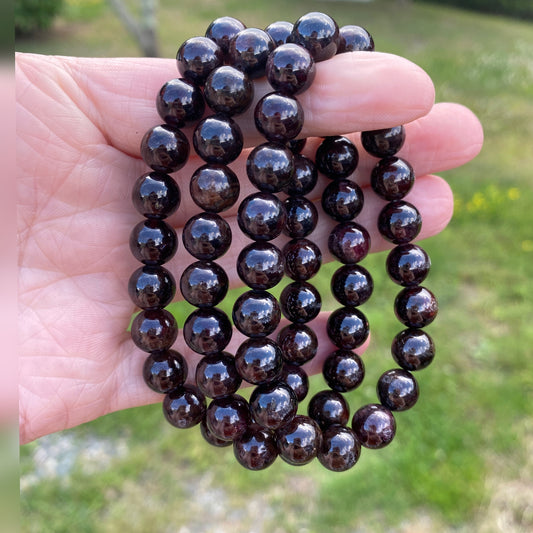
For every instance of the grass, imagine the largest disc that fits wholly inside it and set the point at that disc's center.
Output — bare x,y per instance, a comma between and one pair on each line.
467,436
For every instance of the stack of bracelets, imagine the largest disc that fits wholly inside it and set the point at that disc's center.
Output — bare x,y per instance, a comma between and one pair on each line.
218,70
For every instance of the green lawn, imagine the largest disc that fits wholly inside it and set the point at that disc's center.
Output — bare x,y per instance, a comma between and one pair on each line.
462,457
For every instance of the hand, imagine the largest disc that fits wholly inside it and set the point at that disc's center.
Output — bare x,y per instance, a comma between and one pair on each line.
80,122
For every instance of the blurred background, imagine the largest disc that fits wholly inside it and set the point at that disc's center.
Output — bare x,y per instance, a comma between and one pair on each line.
462,459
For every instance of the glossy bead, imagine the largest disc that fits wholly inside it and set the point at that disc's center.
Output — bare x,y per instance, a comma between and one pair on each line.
354,39
273,404
154,330
256,448
296,145
328,408
298,343
206,236
304,178
296,378
249,50
408,264
258,360
337,157
256,313
397,390
165,148
374,426
270,167
347,328
228,90
153,242
349,242
343,370
179,102
184,407
318,33
260,265
340,449
302,217
222,30
290,69
214,188
204,284
352,285
216,375
413,349
197,57
156,195
207,331
151,287
299,441
342,200
416,307
392,178
300,302
279,31
278,117
228,417
164,371
385,142
399,222
212,439
218,139
261,216
302,259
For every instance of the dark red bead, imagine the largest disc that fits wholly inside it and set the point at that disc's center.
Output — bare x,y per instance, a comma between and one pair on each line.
206,236
392,178
299,441
340,449
151,287
305,176
296,378
408,264
180,102
296,145
207,331
259,360
256,448
279,31
256,313
347,328
249,50
328,408
204,284
228,417
216,375
413,349
212,439
397,390
278,117
154,330
399,222
300,302
214,188
337,157
349,242
374,426
184,407
342,200
261,216
354,39
197,57
352,285
318,33
153,242
416,307
302,259
343,370
298,343
385,142
290,69
260,265
156,195
164,148
165,371
228,90
273,404
218,139
270,166
302,217
222,30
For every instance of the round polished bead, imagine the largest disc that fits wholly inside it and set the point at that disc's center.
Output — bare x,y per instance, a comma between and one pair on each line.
327,408
318,33
164,371
151,287
340,449
342,200
347,328
337,157
260,265
197,57
206,236
296,145
256,448
214,188
290,69
156,195
273,404
204,284
300,302
392,178
212,439
279,31
216,375
397,390
343,370
385,142
278,117
154,330
296,378
218,139
259,360
270,166
413,349
261,216
302,259
374,426
228,417
299,441
207,331
354,39
298,343
408,264
222,30
164,148
304,178
256,313
302,216
416,307
179,102
184,407
228,90
153,242
249,50
352,285
399,222
349,242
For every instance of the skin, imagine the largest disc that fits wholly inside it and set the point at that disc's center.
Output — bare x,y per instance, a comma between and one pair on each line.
79,126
